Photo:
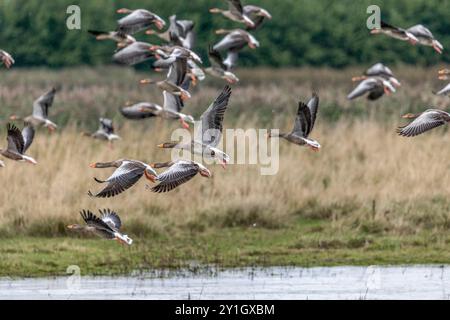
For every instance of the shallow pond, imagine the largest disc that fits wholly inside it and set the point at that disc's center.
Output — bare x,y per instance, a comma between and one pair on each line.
374,282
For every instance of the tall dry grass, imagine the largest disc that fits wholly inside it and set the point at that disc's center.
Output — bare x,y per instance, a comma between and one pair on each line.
364,178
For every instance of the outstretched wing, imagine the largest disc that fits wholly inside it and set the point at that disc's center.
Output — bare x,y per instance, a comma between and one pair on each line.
313,106
28,136
212,118
426,121
215,58
111,218
94,221
235,6
106,125
302,124
122,179
362,88
179,173
15,139
41,104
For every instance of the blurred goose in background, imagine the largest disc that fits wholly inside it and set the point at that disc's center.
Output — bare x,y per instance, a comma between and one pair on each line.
218,68
235,39
179,172
375,86
303,125
207,139
18,143
105,131
444,91
257,15
395,32
138,20
380,70
175,82
235,12
39,117
6,59
179,33
121,38
233,42
140,110
423,122
425,37
444,74
172,110
127,173
107,226
134,53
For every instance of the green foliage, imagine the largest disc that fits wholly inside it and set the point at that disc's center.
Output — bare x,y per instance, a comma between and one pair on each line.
302,32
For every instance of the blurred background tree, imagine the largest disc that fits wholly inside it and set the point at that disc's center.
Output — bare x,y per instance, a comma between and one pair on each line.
302,32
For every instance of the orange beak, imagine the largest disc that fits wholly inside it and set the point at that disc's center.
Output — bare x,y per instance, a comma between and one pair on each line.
184,124
93,165
159,24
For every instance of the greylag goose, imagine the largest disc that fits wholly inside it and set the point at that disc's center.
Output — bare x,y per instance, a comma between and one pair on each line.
425,37
105,131
6,59
180,33
18,143
175,81
379,70
179,172
444,74
134,53
39,117
395,32
235,40
107,226
303,125
257,15
235,12
423,122
137,20
206,141
172,110
121,38
218,68
127,173
375,86
140,110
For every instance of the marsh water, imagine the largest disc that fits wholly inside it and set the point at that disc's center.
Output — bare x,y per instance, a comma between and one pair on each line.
347,282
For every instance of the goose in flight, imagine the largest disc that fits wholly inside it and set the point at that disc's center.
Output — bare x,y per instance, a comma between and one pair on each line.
444,74
175,82
172,110
107,226
425,37
235,40
127,173
303,125
375,86
380,70
121,38
6,59
140,110
218,68
134,53
138,20
18,143
423,122
257,15
105,131
180,33
39,117
208,137
235,12
395,32
179,172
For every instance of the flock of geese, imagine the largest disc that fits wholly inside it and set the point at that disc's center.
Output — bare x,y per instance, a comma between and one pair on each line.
182,66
